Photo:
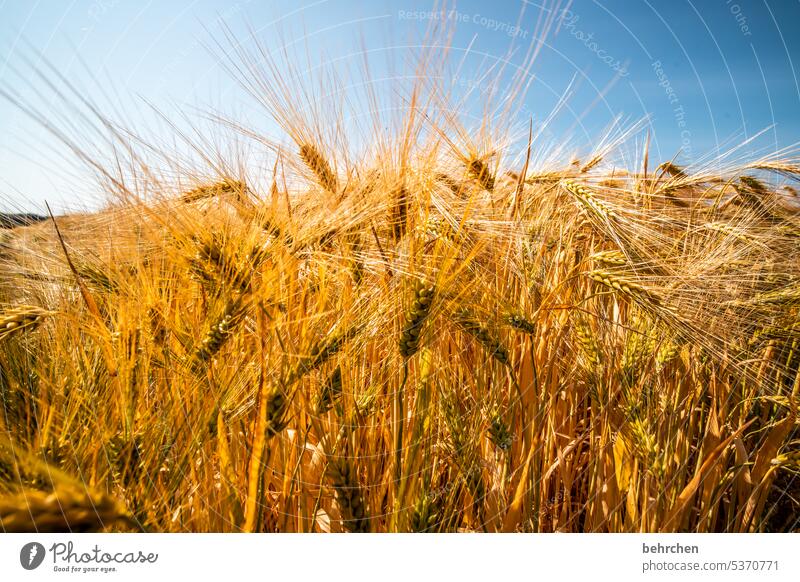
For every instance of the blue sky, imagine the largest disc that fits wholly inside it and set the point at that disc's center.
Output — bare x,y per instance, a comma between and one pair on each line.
705,74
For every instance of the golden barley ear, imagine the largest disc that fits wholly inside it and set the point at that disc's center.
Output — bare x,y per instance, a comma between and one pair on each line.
479,171
626,286
22,317
672,169
317,163
231,186
219,331
64,510
589,201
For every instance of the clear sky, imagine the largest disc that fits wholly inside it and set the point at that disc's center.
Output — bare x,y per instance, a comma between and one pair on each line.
705,74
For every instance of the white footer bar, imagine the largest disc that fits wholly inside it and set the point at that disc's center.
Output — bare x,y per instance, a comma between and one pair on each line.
385,557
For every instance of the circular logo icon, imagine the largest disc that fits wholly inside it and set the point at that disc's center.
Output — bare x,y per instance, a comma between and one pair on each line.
31,555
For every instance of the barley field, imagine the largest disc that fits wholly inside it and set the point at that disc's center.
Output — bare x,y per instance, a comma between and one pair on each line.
431,328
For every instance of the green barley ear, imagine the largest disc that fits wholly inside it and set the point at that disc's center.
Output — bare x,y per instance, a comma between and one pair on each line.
521,323
424,517
491,343
348,495
277,405
499,433
415,319
641,440
330,393
638,346
789,460
667,351
463,449
588,345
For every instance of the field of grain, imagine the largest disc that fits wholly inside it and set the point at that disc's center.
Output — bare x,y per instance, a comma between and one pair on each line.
435,334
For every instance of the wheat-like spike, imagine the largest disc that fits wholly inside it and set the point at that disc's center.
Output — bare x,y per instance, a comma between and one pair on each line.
753,193
789,460
667,352
331,392
213,190
588,200
545,178
317,163
415,319
450,182
231,271
463,450
591,164
637,350
480,172
521,323
730,231
319,353
424,517
348,495
276,407
65,510
209,252
499,433
438,228
641,440
672,170
787,296
588,344
22,317
612,258
125,457
625,286
467,322
354,244
219,331
97,277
